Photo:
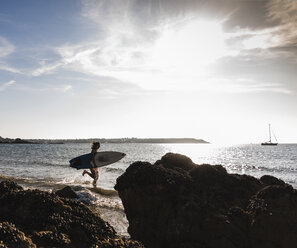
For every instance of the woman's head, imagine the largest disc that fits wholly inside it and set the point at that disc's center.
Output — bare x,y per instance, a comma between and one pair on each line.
95,145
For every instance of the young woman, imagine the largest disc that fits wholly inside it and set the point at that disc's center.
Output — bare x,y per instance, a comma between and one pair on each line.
94,171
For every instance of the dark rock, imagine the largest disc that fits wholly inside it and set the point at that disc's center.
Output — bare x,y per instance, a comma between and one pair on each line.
67,192
51,239
10,236
270,180
175,203
7,187
52,221
174,161
274,217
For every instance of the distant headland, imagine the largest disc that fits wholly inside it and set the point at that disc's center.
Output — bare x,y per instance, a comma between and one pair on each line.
14,141
104,140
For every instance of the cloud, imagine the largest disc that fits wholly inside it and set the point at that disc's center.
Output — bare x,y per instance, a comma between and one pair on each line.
283,11
110,88
280,32
127,47
62,88
46,68
8,68
148,13
272,72
245,85
102,58
250,15
57,88
6,85
286,13
65,88
145,14
6,47
260,37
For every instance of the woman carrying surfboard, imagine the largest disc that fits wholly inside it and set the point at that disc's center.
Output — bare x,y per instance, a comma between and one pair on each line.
94,171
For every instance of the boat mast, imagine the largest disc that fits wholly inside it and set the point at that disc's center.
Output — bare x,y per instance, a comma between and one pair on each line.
269,134
270,143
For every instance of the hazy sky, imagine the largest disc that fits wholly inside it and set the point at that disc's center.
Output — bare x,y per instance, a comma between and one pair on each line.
220,70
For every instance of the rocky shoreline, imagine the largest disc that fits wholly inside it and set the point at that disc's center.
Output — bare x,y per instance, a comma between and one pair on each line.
33,218
172,203
176,203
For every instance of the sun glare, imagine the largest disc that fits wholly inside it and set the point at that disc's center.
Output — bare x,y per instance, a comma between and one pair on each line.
189,46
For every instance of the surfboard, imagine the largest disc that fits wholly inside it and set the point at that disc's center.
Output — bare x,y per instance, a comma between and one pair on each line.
101,159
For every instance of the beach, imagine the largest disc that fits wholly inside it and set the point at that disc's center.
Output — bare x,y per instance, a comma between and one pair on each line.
46,167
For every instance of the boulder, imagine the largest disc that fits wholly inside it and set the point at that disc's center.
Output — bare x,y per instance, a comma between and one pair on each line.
175,203
67,192
273,211
176,161
270,180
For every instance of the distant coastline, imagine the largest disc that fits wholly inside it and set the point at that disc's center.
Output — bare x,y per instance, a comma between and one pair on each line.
14,141
103,140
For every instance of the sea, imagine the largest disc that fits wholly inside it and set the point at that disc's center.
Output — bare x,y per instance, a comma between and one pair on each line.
46,167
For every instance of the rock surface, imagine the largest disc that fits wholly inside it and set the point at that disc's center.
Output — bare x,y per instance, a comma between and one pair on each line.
33,218
175,203
67,192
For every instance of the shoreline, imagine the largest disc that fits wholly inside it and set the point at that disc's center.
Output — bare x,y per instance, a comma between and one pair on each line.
104,140
35,218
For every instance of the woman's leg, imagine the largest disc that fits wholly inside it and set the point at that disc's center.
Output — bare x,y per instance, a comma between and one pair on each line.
86,172
95,175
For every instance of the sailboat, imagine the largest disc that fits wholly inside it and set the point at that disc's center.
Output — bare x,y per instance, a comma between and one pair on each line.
269,143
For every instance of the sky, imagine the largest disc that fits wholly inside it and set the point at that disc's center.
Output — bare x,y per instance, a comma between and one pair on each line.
220,70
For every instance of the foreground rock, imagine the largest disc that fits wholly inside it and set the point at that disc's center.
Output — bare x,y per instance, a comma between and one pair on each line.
32,218
175,203
67,192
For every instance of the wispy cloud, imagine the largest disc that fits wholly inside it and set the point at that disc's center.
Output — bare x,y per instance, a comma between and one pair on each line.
6,85
122,46
8,68
56,88
66,88
6,47
47,68
243,86
102,58
276,32
285,13
247,86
